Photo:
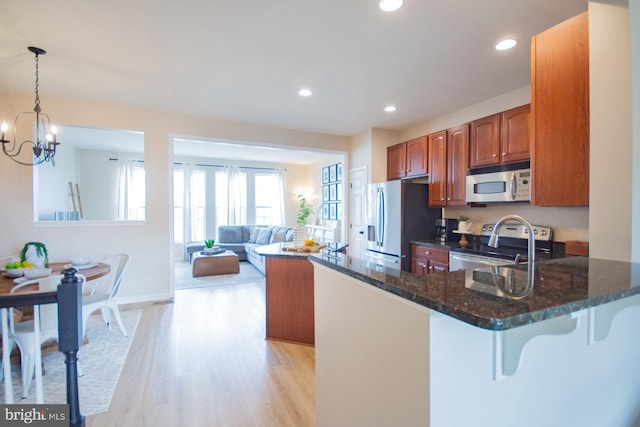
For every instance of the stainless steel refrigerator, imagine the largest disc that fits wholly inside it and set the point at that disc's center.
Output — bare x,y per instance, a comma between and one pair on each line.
397,213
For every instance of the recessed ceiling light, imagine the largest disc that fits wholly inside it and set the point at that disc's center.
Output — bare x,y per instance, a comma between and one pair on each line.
506,44
390,108
390,5
304,92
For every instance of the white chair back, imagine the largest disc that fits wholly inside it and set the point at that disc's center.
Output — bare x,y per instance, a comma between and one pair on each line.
48,312
110,284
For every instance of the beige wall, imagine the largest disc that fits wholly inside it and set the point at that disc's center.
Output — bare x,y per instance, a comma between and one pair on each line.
611,167
634,12
485,108
150,275
360,148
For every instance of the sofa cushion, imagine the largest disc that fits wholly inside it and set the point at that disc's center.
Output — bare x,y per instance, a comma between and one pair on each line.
253,235
277,230
229,234
264,234
246,232
235,247
290,235
278,237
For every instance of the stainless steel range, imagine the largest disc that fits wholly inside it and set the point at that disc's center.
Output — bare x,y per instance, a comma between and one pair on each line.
512,249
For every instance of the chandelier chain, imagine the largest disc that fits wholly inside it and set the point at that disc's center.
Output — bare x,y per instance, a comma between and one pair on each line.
37,78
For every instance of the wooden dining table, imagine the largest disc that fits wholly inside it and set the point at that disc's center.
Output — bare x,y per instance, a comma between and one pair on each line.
100,269
70,350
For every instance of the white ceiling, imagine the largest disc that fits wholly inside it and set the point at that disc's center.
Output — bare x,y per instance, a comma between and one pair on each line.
245,60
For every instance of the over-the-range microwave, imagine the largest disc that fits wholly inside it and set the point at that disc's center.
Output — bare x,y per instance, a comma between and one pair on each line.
506,183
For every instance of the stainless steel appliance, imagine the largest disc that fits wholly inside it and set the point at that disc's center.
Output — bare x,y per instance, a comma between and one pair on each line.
512,249
507,183
444,230
397,213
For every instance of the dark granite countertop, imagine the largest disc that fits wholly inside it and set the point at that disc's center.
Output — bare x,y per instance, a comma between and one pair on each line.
478,246
275,250
560,286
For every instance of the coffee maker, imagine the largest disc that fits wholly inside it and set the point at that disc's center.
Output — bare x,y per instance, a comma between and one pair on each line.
444,230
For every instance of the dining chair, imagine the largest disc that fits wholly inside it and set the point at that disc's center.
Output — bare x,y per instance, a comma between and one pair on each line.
31,334
104,292
3,261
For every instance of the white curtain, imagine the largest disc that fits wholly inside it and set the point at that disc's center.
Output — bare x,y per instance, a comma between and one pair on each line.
281,187
193,203
131,193
237,188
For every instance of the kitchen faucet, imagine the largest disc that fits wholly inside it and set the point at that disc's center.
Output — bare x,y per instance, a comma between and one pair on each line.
495,235
493,242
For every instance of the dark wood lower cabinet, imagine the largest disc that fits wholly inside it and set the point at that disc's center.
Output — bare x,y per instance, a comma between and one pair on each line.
427,260
289,300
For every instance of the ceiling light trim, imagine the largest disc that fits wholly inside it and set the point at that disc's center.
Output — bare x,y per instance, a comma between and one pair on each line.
506,44
390,5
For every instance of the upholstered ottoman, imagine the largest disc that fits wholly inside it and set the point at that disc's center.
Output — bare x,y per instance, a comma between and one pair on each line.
211,265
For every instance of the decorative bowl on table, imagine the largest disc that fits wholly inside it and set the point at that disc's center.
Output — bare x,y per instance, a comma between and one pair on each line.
36,273
80,261
15,272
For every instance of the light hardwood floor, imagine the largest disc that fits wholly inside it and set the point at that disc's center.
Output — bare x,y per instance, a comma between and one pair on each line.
203,361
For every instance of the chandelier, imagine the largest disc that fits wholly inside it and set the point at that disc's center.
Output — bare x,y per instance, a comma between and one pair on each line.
44,143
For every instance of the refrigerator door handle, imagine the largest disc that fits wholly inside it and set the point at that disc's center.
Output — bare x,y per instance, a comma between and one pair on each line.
381,210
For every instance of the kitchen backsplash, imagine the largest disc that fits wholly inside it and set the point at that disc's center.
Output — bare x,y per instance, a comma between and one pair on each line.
569,223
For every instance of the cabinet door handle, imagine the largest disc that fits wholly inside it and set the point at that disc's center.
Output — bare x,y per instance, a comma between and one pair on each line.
448,198
427,253
494,155
422,265
504,154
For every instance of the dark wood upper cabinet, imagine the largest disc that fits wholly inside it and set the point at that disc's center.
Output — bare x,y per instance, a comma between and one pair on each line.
515,134
417,157
457,165
560,114
501,138
407,159
485,141
396,161
437,156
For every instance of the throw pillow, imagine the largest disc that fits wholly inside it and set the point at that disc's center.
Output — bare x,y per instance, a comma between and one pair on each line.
253,235
290,234
279,237
263,236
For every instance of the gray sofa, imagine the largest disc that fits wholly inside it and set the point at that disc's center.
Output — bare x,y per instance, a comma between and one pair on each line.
243,239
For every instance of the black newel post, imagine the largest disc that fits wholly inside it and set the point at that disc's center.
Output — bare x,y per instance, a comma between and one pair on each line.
70,337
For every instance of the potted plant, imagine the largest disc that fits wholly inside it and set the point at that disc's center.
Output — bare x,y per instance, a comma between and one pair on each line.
300,232
36,253
304,210
464,225
209,246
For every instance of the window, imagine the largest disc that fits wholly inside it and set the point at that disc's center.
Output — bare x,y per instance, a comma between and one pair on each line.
206,197
268,199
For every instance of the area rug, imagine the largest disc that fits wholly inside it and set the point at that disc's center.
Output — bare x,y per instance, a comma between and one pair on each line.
184,280
101,360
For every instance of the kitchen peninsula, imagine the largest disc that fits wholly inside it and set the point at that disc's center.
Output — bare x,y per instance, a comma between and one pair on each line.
477,348
289,294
